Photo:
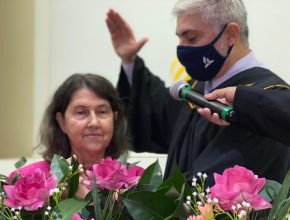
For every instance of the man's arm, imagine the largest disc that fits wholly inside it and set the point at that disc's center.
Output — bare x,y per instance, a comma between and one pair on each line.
151,114
266,112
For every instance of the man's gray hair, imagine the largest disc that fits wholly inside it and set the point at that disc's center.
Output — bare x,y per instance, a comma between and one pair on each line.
216,13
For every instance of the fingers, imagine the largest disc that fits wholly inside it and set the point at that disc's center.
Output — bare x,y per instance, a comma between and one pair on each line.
225,101
216,94
120,22
110,25
111,21
115,22
214,118
226,94
141,43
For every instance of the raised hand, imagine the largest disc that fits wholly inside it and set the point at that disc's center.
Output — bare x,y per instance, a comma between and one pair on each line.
122,37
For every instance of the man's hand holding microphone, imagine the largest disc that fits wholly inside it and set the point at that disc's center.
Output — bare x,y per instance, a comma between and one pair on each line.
226,96
216,106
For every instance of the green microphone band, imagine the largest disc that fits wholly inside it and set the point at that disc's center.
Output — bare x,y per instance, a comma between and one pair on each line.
185,91
226,111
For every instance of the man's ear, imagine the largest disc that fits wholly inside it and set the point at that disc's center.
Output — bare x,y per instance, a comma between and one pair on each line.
233,33
60,120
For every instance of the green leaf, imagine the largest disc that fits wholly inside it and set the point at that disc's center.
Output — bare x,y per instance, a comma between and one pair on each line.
73,182
152,175
15,178
59,167
182,210
123,158
280,201
96,200
67,208
177,180
144,205
20,163
167,188
129,166
85,214
284,209
270,190
144,187
3,177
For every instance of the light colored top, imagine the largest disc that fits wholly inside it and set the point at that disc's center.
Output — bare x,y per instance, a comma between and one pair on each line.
247,62
128,68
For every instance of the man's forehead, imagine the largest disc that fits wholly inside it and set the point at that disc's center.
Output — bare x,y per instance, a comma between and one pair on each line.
192,23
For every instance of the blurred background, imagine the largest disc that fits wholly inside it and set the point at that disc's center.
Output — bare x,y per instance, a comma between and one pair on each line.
45,41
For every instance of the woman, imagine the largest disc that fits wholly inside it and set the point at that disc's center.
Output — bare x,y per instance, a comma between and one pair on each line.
85,117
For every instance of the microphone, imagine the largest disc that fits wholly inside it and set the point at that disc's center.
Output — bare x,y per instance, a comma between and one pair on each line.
183,91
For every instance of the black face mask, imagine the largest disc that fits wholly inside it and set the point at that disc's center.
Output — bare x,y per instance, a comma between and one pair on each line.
204,62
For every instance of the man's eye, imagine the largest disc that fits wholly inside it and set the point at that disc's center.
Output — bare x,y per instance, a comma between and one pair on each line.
191,39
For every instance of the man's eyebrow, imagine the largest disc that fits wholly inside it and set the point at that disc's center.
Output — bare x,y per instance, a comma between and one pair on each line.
185,32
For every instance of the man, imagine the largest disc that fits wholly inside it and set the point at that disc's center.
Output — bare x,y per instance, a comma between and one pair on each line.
213,47
258,110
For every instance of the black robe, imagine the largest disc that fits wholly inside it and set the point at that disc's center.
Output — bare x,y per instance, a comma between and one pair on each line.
273,108
160,124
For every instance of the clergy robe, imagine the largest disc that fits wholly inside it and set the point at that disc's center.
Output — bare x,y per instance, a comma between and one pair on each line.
160,124
273,107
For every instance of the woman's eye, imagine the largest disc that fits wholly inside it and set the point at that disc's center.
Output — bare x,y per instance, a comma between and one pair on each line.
103,112
80,113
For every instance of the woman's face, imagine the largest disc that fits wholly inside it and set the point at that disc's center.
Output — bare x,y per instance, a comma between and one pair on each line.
89,124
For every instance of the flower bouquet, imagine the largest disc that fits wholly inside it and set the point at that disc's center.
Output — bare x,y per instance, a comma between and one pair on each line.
118,190
47,191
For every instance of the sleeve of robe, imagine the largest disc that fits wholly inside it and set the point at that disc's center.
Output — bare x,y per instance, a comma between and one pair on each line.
151,110
261,109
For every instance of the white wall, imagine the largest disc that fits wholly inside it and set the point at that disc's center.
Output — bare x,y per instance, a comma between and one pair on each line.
71,36
269,23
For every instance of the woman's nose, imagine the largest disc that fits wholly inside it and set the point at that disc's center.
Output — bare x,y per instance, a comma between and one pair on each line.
94,120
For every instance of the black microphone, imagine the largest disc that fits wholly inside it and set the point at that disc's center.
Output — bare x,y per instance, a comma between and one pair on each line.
183,91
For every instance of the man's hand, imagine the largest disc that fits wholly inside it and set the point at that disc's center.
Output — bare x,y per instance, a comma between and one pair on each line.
123,38
225,96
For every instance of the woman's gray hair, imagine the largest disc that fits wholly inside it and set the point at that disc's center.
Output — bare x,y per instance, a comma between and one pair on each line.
216,13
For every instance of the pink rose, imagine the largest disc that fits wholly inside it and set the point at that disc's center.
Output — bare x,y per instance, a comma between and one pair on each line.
32,187
193,217
77,216
236,185
111,174
43,165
